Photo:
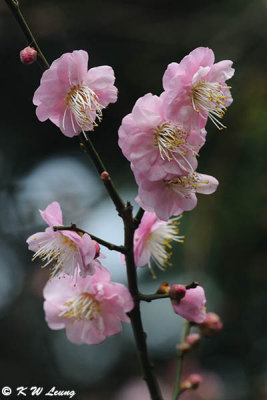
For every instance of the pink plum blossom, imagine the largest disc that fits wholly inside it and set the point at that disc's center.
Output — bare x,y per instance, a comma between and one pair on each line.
156,145
89,310
196,87
192,305
174,194
72,97
65,251
152,238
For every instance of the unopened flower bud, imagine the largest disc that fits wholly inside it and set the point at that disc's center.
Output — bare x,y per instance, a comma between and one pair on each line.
105,176
177,292
193,339
192,382
28,55
164,288
190,342
211,325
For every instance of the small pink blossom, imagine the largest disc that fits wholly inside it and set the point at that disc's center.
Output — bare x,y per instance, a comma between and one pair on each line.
152,239
72,97
89,310
192,305
65,251
28,55
191,382
196,87
174,194
211,326
156,145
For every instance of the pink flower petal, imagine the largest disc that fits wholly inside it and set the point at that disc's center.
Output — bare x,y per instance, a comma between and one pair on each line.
52,215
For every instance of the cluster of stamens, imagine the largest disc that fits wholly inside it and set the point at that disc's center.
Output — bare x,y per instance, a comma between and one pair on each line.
209,97
84,106
159,241
82,307
185,185
60,252
172,141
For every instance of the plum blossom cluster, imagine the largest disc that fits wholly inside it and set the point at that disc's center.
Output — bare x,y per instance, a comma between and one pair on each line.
163,135
82,299
161,138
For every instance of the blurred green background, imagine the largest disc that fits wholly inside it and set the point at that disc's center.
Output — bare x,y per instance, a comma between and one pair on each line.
225,247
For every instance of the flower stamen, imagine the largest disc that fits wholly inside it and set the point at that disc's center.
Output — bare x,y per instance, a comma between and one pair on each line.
159,240
171,141
60,251
185,185
84,105
82,307
210,98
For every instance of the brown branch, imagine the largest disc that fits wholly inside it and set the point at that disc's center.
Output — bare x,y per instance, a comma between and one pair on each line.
74,228
14,7
135,315
89,148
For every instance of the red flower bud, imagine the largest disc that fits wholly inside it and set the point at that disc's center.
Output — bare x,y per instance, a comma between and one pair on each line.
177,292
28,55
105,176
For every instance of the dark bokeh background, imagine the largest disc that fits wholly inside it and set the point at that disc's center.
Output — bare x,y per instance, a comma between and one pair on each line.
225,243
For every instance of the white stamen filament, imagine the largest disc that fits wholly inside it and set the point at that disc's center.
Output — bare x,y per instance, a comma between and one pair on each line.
210,98
84,106
186,185
82,307
171,141
61,251
159,240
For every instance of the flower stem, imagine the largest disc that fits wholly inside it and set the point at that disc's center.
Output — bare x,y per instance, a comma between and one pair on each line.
74,228
135,315
89,148
154,296
138,217
15,9
180,355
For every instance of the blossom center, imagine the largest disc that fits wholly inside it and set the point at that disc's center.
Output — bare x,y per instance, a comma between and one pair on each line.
82,307
210,97
185,185
60,251
159,241
84,105
172,140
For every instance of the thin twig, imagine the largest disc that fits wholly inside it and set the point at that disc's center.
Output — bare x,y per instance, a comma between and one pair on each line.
87,145
151,297
14,7
180,355
74,228
138,217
